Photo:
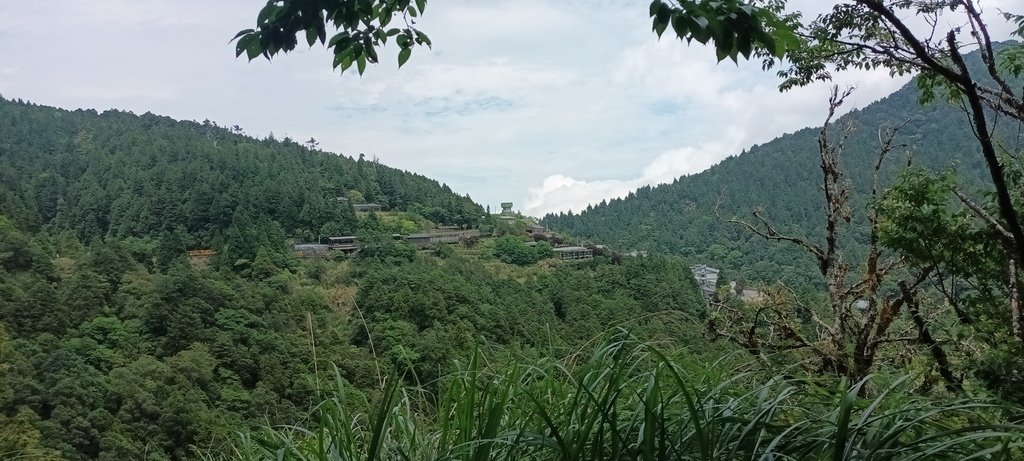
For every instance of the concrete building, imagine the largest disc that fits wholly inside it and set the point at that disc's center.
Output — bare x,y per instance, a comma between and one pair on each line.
428,239
420,241
574,253
345,244
535,229
707,278
506,208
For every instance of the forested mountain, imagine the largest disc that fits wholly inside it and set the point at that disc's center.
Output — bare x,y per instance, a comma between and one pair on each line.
123,175
115,346
119,341
783,177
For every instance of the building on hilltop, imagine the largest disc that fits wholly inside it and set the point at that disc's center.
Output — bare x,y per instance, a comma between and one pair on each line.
506,208
707,278
536,229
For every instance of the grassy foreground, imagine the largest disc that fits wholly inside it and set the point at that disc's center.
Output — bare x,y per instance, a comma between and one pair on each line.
629,401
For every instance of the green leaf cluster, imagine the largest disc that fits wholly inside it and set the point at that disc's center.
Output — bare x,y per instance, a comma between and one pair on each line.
362,28
735,28
514,250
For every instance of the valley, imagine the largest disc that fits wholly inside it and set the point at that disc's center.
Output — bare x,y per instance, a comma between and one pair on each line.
178,290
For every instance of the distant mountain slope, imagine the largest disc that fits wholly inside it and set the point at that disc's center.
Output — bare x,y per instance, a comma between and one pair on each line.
119,174
782,177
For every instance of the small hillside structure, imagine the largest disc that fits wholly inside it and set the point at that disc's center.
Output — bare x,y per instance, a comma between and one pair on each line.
346,244
349,244
506,208
426,240
536,229
574,253
707,278
366,207
420,241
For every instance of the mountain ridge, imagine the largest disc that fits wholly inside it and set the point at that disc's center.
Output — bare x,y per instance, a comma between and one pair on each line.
120,174
781,177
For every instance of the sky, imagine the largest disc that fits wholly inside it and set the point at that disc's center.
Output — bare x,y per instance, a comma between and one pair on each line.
550,104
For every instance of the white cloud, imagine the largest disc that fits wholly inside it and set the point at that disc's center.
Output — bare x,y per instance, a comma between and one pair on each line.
561,193
713,111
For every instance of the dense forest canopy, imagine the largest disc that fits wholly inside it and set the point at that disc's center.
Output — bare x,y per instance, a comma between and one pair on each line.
123,175
113,345
117,342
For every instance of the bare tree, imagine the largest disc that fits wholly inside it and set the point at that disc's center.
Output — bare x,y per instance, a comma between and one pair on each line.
843,338
929,38
886,38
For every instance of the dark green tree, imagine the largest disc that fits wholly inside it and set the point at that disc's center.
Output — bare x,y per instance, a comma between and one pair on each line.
361,28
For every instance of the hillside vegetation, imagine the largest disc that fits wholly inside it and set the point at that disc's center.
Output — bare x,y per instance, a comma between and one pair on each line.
114,345
118,342
122,175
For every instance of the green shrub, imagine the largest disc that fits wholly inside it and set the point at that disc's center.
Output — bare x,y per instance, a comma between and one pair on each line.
513,250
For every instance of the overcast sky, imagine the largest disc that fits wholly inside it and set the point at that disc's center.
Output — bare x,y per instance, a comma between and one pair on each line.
551,104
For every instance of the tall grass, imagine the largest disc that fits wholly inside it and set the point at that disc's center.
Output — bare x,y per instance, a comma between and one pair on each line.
630,401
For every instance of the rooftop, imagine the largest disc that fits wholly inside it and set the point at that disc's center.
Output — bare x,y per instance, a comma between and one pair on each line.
704,269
